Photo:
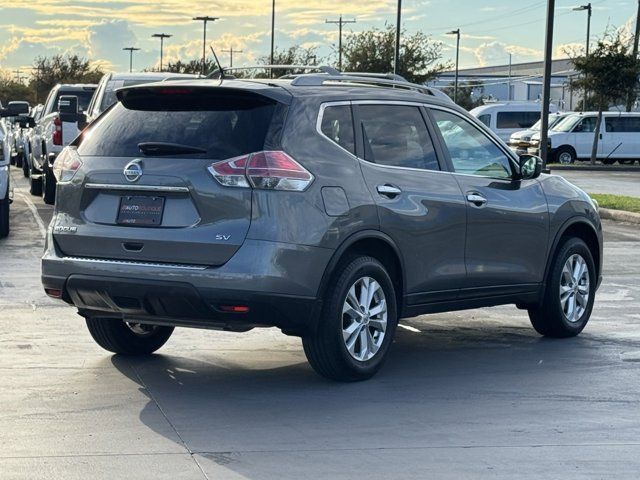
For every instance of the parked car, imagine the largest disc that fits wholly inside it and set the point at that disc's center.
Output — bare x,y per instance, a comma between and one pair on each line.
13,110
327,206
572,139
105,94
509,117
36,115
53,132
520,142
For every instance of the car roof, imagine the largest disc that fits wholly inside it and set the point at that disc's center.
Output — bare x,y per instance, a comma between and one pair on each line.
284,89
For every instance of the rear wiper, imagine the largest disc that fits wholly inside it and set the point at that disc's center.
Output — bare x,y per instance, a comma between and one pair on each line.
164,148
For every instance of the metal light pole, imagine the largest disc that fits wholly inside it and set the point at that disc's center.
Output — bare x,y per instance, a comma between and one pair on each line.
231,51
340,22
131,50
546,83
509,90
589,10
273,35
455,87
161,36
204,20
636,39
396,56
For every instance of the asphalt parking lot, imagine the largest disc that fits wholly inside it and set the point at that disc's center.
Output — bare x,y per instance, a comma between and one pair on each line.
474,394
616,183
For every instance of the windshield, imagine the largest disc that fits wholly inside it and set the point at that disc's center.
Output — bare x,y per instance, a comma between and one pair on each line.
567,124
84,97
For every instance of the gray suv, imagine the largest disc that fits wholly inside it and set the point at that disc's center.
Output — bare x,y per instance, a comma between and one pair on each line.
327,205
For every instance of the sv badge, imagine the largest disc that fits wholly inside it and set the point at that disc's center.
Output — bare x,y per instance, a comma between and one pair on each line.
223,237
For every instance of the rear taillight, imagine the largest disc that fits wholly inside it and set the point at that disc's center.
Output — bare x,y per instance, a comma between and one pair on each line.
66,164
266,170
57,131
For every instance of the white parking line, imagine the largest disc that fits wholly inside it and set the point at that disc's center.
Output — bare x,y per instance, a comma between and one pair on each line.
34,211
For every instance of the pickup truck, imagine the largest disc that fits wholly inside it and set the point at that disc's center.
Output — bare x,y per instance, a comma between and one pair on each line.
57,127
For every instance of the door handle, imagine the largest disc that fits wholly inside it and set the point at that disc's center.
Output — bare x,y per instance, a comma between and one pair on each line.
477,199
388,190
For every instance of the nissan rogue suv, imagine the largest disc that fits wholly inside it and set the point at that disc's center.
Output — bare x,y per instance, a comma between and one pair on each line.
329,206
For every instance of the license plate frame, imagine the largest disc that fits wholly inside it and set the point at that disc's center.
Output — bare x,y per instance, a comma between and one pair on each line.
140,210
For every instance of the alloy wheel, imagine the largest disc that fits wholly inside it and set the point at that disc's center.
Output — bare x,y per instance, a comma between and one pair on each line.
574,288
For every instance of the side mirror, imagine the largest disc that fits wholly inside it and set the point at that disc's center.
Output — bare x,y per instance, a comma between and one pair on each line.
530,167
68,108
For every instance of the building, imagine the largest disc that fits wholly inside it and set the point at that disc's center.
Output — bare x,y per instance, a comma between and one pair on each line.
518,82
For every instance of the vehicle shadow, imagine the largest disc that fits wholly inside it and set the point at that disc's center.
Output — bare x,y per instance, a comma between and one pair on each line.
452,384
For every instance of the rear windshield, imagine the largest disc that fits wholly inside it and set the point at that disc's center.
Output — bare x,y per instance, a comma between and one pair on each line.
223,126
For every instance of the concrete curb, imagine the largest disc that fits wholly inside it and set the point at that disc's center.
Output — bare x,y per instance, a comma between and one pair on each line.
619,215
593,168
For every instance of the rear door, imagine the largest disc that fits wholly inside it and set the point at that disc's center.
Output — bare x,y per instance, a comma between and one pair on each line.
507,220
420,206
159,203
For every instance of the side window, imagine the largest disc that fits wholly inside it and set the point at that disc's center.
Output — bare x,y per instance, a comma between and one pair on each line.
517,119
48,104
587,125
486,119
397,136
623,124
471,151
337,124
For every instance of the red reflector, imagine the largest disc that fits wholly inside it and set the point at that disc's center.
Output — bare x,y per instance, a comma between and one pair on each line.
234,308
52,292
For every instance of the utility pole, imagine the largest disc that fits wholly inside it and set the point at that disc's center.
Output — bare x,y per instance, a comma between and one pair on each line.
396,56
340,22
161,36
546,83
509,89
455,87
231,51
131,50
636,38
18,72
204,20
273,35
589,11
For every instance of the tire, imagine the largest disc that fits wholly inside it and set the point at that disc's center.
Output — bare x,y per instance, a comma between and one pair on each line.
550,319
117,336
627,161
19,160
25,167
4,216
608,161
565,155
48,185
35,184
327,350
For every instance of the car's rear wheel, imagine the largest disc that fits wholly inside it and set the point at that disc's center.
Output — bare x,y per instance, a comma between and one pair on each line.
566,155
4,216
19,160
127,338
48,185
357,323
35,184
608,161
569,294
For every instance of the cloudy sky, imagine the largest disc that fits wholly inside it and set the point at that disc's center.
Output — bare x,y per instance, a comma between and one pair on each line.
99,29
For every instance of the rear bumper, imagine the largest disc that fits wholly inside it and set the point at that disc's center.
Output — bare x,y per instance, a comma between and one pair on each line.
278,283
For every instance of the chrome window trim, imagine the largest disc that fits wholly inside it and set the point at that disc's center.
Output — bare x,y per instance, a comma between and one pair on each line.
139,188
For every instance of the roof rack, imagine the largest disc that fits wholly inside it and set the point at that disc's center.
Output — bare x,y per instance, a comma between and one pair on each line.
376,80
383,76
321,68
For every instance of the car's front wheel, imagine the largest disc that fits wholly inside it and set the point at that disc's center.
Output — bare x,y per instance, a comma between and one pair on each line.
569,294
566,155
35,183
48,185
127,338
357,324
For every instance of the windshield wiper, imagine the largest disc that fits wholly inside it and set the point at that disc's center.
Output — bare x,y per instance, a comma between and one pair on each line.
165,148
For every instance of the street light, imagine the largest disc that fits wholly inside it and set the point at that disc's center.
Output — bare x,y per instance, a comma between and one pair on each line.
340,22
588,8
396,56
455,88
131,50
204,20
161,36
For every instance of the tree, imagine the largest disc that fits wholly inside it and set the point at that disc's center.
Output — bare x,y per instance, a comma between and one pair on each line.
191,66
11,90
469,94
373,51
610,74
295,55
49,71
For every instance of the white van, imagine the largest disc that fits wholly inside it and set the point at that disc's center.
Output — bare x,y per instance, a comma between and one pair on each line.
572,139
520,141
509,117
